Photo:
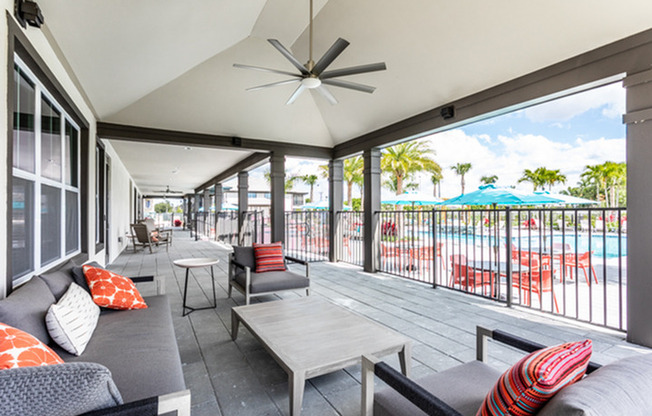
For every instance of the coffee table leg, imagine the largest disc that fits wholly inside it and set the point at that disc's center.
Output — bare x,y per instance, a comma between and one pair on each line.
235,324
405,356
297,384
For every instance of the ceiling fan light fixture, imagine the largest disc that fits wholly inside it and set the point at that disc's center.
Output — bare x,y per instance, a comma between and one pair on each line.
311,82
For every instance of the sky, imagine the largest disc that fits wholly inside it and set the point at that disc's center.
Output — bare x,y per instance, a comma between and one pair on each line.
566,134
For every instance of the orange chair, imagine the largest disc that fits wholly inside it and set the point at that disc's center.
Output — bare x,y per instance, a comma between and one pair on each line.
467,277
582,261
537,280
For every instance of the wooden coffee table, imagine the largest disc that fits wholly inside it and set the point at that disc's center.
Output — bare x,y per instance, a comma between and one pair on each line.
309,337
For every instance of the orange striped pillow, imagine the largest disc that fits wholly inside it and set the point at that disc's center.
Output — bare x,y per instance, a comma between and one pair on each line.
269,257
530,383
20,349
110,290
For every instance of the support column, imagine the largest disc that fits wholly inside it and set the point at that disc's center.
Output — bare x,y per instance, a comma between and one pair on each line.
243,200
335,202
277,212
207,201
219,197
372,172
639,200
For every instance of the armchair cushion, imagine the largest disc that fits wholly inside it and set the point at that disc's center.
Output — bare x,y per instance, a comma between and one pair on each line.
273,281
26,308
619,388
245,256
269,257
463,387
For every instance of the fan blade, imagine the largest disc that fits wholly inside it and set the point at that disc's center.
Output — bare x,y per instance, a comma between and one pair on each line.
288,55
274,84
330,55
353,70
349,85
327,94
258,68
295,94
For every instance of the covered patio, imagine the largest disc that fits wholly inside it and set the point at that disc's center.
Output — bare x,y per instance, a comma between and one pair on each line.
240,378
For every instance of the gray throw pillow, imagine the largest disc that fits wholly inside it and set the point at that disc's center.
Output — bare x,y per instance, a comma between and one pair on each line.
78,275
25,308
59,280
619,388
62,389
245,256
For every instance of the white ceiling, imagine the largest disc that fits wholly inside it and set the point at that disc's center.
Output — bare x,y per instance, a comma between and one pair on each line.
168,64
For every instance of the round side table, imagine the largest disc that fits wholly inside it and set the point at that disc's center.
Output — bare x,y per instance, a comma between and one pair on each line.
193,263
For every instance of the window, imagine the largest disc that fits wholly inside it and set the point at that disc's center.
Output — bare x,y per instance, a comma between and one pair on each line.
45,209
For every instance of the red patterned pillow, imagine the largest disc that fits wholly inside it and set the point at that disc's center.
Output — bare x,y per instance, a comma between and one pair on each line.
530,383
110,290
269,257
20,349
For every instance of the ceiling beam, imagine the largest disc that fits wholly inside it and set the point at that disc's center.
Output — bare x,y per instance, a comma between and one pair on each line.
585,71
171,137
247,163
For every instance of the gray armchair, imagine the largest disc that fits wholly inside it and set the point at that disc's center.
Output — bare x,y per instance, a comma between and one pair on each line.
242,276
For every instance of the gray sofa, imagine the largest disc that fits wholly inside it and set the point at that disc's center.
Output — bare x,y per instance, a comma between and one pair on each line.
131,362
620,388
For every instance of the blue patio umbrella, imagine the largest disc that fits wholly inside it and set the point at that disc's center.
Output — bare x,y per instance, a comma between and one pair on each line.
413,198
493,195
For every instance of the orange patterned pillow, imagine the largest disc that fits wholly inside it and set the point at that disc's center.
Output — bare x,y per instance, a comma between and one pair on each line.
110,290
20,349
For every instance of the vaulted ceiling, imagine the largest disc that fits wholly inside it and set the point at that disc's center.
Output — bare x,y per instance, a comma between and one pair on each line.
169,64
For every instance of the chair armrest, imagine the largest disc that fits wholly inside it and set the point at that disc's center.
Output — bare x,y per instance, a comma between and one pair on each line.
420,397
513,341
296,260
178,402
160,285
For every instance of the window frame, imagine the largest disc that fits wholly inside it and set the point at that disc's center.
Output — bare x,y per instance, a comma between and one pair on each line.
40,93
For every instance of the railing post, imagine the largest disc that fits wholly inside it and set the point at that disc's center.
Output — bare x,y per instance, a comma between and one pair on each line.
508,255
434,248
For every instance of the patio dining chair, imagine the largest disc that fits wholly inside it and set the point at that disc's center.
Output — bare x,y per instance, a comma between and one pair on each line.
468,278
582,261
142,237
538,280
156,232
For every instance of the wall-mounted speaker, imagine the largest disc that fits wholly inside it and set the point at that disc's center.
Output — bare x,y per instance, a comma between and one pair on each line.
447,112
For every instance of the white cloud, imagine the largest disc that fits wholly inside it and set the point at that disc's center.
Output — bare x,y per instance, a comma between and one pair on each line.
566,108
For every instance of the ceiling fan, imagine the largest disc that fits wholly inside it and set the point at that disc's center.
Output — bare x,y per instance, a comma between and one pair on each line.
314,75
167,190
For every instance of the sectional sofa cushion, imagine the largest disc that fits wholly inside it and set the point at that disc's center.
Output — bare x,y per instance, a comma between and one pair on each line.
245,256
72,320
59,280
26,308
620,388
528,385
140,349
78,277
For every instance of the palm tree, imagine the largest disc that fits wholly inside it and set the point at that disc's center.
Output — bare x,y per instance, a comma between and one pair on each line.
436,178
353,174
552,177
310,179
462,169
534,177
608,177
486,180
402,160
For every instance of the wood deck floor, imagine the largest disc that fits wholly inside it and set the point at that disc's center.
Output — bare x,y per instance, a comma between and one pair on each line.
240,378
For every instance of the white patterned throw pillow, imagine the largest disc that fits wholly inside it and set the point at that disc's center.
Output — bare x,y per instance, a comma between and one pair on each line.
72,320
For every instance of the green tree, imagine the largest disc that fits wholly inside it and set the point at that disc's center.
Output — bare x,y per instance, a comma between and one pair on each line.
608,179
541,177
353,175
163,207
404,159
436,178
486,180
462,169
310,180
